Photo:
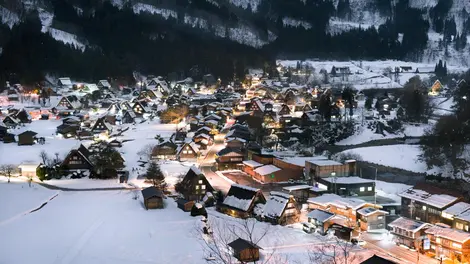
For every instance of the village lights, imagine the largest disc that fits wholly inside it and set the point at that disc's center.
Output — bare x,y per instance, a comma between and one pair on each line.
385,106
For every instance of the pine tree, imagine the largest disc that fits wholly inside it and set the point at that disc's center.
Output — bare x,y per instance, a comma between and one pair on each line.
156,176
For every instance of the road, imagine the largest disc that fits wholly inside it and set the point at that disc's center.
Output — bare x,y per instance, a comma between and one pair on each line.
383,243
207,165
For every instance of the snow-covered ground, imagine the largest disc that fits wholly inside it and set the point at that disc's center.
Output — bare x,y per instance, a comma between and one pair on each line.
112,227
390,190
18,198
364,134
370,74
398,156
13,154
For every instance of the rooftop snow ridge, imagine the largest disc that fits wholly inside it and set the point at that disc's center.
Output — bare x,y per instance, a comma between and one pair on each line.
245,187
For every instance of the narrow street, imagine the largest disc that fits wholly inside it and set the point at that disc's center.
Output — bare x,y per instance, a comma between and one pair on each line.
207,165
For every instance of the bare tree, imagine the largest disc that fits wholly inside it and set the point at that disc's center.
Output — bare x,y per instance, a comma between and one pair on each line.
7,170
218,233
44,157
334,252
146,151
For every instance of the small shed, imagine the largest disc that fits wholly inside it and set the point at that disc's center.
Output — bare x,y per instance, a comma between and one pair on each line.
153,198
185,205
28,169
26,138
244,250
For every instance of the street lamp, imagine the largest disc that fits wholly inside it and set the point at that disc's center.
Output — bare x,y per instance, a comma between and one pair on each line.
333,174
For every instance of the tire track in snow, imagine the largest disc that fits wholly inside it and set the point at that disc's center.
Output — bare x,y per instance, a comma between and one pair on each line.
11,219
78,246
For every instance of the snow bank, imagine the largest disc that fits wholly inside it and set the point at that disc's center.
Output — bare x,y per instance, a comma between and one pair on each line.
18,198
398,156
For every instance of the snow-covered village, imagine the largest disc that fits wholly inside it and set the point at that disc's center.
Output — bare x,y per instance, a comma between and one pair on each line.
311,162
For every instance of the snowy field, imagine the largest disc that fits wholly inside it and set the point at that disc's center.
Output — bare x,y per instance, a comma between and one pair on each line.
111,227
391,190
398,156
11,153
370,74
364,134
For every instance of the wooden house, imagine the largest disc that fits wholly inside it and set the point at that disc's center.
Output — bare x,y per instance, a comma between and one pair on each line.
241,201
101,125
28,169
427,202
320,220
78,159
244,250
9,138
153,198
103,84
323,168
285,110
27,138
300,192
229,158
187,151
140,108
194,185
371,218
235,143
185,205
347,186
67,130
65,103
23,116
406,232
449,243
458,216
64,82
128,117
281,208
3,131
11,121
165,150
269,173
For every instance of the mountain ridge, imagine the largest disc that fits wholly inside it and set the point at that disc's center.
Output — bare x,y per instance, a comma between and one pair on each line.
299,28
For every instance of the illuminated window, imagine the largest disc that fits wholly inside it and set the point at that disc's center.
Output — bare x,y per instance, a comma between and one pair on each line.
438,240
197,187
200,181
424,207
456,245
203,187
380,217
466,228
362,189
459,226
446,215
369,189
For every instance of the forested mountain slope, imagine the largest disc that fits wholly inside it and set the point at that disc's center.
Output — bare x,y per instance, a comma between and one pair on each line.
93,39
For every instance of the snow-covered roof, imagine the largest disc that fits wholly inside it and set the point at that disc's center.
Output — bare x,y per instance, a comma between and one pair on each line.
323,199
296,187
457,209
213,116
243,204
320,215
300,161
248,188
65,81
276,204
252,163
338,201
366,211
195,170
267,169
236,139
448,233
347,180
325,162
408,224
436,200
